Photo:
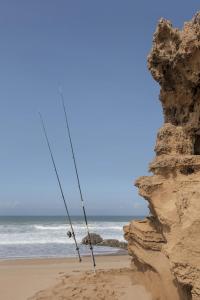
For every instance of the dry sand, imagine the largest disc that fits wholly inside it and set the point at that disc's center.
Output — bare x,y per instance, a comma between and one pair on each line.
54,279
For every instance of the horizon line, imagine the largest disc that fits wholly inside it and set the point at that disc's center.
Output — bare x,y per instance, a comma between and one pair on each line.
74,215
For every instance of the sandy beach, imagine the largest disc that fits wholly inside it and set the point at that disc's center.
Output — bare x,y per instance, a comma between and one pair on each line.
69,279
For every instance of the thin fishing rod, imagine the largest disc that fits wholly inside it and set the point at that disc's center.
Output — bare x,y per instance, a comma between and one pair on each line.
60,186
78,180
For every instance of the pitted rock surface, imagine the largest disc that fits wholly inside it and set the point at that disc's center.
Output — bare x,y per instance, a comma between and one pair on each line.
168,242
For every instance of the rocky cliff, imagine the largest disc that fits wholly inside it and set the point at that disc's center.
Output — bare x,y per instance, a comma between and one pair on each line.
168,242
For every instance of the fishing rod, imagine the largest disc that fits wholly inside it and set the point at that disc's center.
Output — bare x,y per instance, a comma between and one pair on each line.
78,180
72,233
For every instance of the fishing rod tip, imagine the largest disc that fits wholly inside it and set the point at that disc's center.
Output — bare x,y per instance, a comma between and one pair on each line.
60,89
40,116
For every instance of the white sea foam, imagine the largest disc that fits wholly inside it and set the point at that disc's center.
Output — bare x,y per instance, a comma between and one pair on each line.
43,227
79,227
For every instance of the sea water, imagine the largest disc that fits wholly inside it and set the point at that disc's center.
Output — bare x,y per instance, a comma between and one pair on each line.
34,237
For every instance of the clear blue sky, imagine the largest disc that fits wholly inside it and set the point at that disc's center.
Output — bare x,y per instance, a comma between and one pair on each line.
97,51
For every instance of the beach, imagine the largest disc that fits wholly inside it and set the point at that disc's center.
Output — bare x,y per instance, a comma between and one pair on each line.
60,278
38,261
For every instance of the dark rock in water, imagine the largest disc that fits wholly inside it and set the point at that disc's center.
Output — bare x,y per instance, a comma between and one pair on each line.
113,243
95,239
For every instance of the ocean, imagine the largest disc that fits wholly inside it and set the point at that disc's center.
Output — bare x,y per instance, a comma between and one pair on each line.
37,237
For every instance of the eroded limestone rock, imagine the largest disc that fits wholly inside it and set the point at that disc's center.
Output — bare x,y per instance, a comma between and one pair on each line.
169,241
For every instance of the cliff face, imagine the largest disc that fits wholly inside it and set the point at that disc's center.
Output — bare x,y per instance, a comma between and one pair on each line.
168,242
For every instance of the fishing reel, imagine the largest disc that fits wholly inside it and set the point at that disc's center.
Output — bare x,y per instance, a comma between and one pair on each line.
69,234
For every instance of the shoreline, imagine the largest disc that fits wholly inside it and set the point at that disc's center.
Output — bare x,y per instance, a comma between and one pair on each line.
22,261
120,252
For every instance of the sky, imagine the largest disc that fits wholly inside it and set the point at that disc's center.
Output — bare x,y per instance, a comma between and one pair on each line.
97,52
